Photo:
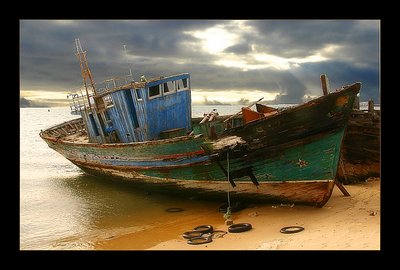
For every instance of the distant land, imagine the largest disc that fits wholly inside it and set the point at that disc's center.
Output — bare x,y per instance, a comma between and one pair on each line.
26,103
206,101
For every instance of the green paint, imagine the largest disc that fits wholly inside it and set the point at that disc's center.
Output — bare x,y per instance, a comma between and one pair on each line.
320,158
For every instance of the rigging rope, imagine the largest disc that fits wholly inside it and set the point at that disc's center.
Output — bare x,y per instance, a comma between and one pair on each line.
227,215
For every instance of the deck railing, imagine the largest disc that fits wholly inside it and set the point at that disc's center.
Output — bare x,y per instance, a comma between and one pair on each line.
78,101
112,83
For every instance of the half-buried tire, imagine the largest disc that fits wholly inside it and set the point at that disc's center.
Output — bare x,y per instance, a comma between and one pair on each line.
292,229
240,227
199,240
191,234
174,209
204,229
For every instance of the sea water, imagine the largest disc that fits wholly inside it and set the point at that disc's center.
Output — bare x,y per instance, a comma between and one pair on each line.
61,207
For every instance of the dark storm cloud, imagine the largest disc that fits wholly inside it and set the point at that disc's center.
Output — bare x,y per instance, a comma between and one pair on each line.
341,73
300,38
47,47
163,47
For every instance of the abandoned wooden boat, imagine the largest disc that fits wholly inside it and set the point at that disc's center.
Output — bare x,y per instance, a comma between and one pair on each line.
360,155
293,153
143,132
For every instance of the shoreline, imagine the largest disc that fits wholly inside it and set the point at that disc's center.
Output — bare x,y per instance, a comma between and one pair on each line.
344,223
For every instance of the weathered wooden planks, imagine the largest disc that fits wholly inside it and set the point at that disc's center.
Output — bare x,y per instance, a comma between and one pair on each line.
290,156
361,147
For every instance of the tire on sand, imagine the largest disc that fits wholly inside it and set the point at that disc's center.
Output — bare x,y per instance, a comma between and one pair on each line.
240,227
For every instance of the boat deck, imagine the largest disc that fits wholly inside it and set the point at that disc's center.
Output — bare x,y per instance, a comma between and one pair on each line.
71,131
77,138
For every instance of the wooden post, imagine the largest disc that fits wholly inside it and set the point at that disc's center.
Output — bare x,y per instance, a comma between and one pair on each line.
356,104
342,189
338,184
324,84
370,106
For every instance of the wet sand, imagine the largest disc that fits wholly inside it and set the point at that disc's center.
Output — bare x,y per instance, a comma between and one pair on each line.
344,223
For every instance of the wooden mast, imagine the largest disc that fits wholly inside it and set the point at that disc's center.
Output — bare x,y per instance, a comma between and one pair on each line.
86,74
88,79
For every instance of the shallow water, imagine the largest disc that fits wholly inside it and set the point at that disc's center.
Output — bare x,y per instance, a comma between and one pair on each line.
61,207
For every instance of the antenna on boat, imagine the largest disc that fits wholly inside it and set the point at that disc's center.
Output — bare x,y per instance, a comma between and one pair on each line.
86,74
130,70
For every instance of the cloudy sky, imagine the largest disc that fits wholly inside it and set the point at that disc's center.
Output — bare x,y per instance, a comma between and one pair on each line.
229,60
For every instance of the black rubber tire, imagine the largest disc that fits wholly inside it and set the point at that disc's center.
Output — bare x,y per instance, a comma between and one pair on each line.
199,240
240,227
204,229
292,229
192,234
174,209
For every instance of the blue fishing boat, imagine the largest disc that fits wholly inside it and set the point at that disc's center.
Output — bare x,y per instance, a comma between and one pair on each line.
143,132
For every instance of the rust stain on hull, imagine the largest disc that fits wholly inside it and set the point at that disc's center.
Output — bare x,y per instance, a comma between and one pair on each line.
303,131
307,192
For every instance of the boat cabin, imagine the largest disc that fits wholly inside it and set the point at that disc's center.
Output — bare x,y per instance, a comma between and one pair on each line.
154,109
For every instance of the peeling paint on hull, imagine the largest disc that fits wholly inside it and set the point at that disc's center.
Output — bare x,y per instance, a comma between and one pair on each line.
314,193
281,176
292,156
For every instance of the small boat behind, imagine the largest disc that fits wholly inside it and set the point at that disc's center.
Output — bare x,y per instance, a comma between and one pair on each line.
360,157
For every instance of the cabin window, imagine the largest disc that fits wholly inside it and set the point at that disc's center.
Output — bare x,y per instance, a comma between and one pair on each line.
169,88
185,82
154,91
108,101
182,84
138,94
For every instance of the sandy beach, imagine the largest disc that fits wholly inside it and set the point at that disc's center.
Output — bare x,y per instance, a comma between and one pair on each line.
344,223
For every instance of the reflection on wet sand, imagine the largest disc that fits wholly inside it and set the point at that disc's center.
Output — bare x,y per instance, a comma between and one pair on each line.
112,210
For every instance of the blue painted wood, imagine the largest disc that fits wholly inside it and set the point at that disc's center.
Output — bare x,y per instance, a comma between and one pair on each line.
168,79
168,112
118,117
140,107
140,119
127,116
90,129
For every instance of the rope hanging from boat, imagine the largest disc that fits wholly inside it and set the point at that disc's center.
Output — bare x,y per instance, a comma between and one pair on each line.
227,215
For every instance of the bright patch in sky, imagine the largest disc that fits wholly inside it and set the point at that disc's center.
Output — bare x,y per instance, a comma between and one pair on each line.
38,95
264,60
215,39
64,22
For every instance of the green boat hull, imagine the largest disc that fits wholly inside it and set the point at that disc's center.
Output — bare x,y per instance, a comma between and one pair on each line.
290,157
